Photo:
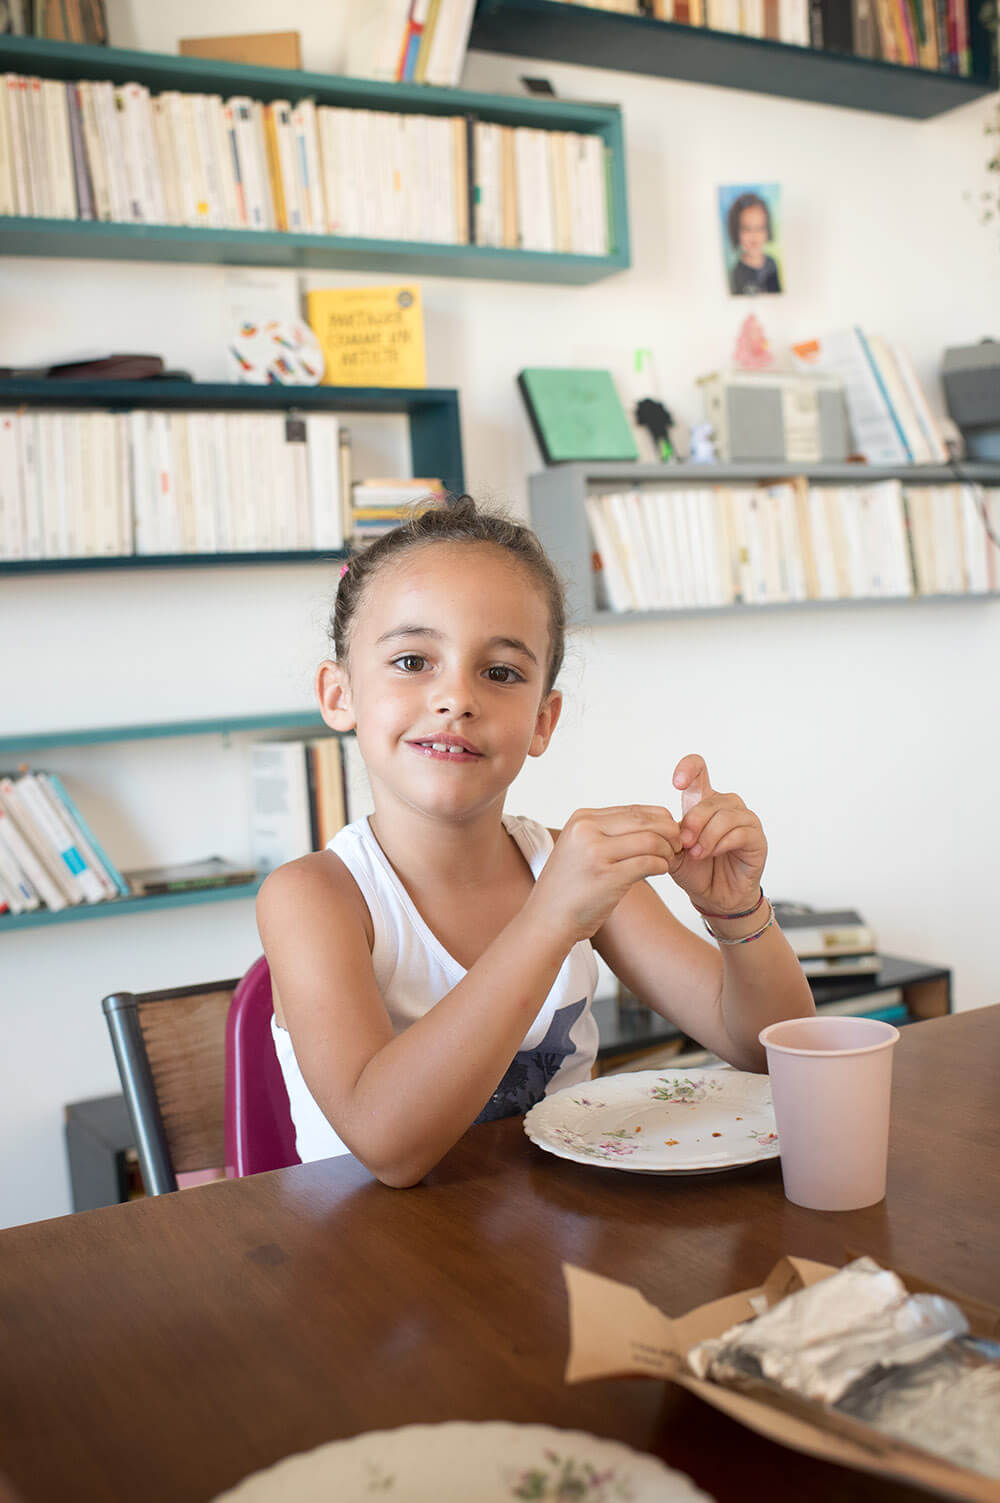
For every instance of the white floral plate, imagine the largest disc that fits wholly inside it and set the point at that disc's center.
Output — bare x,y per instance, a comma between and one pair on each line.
456,1463
660,1121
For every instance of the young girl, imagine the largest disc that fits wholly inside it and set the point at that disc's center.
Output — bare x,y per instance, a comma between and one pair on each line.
434,967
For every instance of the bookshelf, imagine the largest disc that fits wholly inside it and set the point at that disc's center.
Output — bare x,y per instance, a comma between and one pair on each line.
434,425
666,49
556,498
14,747
244,247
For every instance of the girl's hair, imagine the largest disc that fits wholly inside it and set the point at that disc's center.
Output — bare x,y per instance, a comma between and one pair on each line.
460,521
745,201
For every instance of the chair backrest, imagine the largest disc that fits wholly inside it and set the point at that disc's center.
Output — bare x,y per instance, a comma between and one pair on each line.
259,1131
173,1053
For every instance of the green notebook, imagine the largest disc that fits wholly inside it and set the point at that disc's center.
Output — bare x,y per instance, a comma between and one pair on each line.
576,415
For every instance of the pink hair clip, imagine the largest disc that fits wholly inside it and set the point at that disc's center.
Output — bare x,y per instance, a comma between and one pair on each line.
344,568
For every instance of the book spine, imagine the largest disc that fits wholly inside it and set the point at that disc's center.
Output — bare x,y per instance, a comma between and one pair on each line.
54,829
891,411
280,822
22,869
82,185
41,862
111,880
19,891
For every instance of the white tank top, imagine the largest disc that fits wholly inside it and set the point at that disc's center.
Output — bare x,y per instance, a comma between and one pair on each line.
414,971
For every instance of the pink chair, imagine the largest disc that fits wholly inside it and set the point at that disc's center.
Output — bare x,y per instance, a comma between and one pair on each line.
259,1131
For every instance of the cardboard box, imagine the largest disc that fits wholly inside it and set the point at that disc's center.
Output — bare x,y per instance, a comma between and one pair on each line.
265,49
616,1332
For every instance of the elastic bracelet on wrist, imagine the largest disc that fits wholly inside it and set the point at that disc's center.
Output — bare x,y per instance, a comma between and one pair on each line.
744,913
745,938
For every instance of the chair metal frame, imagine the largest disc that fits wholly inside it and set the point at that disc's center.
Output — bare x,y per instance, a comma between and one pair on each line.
121,1010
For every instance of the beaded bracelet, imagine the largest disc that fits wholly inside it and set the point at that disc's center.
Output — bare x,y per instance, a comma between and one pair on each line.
746,938
745,913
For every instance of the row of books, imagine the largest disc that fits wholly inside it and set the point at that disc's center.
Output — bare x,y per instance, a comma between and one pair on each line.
930,34
48,854
96,150
115,484
379,505
719,546
410,41
301,793
68,21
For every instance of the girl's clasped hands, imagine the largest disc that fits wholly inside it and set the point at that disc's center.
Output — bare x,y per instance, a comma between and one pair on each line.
715,853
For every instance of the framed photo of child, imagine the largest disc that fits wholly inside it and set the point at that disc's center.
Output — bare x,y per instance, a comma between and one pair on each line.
750,221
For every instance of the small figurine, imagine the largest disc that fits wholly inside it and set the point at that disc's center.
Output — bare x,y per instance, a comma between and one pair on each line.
702,447
752,351
654,417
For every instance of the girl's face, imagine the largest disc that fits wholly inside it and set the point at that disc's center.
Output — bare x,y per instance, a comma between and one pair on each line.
753,231
445,682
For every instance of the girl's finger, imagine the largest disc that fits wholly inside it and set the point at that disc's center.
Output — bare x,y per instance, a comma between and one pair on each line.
721,823
736,844
696,819
691,775
630,817
641,843
638,868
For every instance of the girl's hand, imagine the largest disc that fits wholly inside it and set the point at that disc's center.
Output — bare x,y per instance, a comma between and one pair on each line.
723,843
598,856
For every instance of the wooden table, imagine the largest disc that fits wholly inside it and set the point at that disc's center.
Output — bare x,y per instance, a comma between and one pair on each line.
164,1349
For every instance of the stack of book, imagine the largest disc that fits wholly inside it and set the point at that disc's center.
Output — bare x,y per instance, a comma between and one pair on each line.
92,484
917,33
49,856
829,943
410,41
890,417
379,505
722,545
301,793
96,150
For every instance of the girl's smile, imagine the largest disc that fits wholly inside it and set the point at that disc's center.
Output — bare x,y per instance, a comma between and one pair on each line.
447,749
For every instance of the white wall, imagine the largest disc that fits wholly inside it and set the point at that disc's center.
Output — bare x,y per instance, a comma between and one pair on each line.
866,737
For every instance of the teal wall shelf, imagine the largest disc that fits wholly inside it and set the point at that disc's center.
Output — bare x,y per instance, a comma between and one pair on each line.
12,746
227,725
124,907
435,442
693,54
160,71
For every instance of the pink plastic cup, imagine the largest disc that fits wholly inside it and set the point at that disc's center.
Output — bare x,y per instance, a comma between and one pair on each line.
831,1080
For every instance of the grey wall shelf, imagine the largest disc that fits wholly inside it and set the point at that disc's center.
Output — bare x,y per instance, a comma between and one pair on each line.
694,54
242,247
557,495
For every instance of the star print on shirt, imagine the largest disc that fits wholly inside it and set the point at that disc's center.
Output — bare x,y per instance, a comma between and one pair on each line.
530,1071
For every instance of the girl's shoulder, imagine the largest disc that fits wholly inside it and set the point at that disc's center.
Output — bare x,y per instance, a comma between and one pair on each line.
317,887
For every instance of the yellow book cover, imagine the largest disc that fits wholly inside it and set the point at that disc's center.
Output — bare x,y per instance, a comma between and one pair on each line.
371,336
274,166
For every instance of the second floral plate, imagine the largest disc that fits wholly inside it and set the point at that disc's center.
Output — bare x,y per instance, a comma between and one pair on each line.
660,1121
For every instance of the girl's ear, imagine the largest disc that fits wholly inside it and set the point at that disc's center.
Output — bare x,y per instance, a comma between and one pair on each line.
548,714
333,690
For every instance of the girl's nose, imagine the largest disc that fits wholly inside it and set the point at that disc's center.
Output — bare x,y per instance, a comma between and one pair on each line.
454,695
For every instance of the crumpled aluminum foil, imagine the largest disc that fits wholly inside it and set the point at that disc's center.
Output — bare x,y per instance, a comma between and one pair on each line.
860,1343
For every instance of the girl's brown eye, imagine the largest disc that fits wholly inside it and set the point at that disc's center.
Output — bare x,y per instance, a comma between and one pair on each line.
410,662
508,675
